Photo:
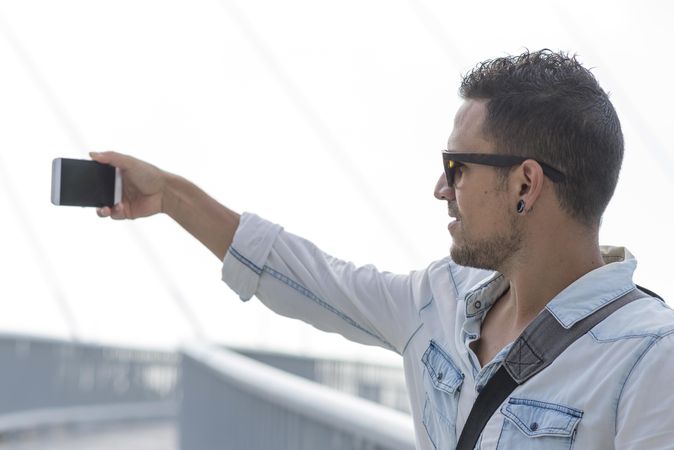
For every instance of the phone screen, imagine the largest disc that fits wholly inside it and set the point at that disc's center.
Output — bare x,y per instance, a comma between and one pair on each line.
86,183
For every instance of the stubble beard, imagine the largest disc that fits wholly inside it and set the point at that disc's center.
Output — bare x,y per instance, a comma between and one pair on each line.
491,253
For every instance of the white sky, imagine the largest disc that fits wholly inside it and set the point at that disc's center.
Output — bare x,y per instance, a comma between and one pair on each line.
326,117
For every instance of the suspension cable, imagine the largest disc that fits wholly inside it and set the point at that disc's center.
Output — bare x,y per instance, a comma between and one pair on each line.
76,137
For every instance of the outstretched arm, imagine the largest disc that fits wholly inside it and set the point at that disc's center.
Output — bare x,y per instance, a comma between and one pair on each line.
289,274
148,190
294,278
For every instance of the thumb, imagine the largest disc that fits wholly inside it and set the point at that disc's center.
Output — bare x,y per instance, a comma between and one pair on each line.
112,158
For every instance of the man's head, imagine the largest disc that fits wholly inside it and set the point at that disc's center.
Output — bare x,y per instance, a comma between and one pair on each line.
546,106
547,109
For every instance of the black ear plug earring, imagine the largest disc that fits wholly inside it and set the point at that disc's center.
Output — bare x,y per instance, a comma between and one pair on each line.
520,206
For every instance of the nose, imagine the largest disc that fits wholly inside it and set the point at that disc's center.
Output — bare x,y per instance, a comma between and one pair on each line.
442,190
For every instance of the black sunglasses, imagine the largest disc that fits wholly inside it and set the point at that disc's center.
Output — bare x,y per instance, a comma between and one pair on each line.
452,161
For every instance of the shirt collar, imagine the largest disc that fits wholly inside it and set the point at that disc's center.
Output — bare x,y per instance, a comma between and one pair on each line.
480,299
581,298
595,289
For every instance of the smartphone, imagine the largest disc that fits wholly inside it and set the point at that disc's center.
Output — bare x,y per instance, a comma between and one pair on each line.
82,182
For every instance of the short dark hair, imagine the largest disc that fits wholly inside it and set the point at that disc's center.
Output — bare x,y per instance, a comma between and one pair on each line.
546,105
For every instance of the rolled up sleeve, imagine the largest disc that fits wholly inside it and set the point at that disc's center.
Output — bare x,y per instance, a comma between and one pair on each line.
242,268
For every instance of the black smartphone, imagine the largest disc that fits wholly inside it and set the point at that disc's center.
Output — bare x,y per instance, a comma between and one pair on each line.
81,182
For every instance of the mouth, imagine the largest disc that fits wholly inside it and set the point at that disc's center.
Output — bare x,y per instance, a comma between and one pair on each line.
453,225
454,214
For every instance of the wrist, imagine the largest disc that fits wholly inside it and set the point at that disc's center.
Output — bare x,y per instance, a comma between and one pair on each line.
170,193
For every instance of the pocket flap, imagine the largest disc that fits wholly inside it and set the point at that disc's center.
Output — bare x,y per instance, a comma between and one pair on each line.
535,418
444,374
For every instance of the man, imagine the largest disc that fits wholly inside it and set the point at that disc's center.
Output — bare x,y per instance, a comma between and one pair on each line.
530,166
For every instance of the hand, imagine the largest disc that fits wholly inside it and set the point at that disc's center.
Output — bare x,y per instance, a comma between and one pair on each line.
142,187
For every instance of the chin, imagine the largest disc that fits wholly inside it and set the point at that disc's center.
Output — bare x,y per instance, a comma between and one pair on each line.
479,258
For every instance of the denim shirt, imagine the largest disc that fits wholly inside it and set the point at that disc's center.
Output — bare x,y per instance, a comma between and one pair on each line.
611,389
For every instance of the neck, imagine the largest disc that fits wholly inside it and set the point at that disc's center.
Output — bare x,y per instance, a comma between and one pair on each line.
544,268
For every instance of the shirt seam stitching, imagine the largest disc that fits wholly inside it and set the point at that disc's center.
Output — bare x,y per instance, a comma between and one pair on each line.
245,261
410,339
610,300
629,375
423,421
451,276
313,297
425,306
475,292
629,336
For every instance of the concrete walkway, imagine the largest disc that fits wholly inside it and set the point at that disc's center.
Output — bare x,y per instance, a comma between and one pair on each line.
138,436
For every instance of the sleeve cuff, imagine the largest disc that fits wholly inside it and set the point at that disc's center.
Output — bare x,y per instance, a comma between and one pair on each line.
247,256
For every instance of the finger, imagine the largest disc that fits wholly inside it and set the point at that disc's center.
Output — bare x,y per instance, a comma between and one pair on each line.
103,212
118,212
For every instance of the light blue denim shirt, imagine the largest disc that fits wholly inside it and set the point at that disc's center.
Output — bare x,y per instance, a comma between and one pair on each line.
611,389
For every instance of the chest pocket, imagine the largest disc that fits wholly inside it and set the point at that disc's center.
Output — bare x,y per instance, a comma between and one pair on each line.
442,381
532,425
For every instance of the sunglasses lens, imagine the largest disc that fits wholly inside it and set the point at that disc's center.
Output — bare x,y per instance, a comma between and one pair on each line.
450,167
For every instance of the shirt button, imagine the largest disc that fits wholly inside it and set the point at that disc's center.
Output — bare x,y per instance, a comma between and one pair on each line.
478,304
479,388
440,375
534,426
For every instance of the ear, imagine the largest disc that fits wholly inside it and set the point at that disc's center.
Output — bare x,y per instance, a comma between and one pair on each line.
528,183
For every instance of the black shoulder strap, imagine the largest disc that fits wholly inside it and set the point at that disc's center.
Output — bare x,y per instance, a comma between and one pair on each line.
649,292
534,350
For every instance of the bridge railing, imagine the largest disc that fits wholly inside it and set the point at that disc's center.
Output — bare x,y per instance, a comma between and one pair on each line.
228,398
222,399
380,383
52,382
